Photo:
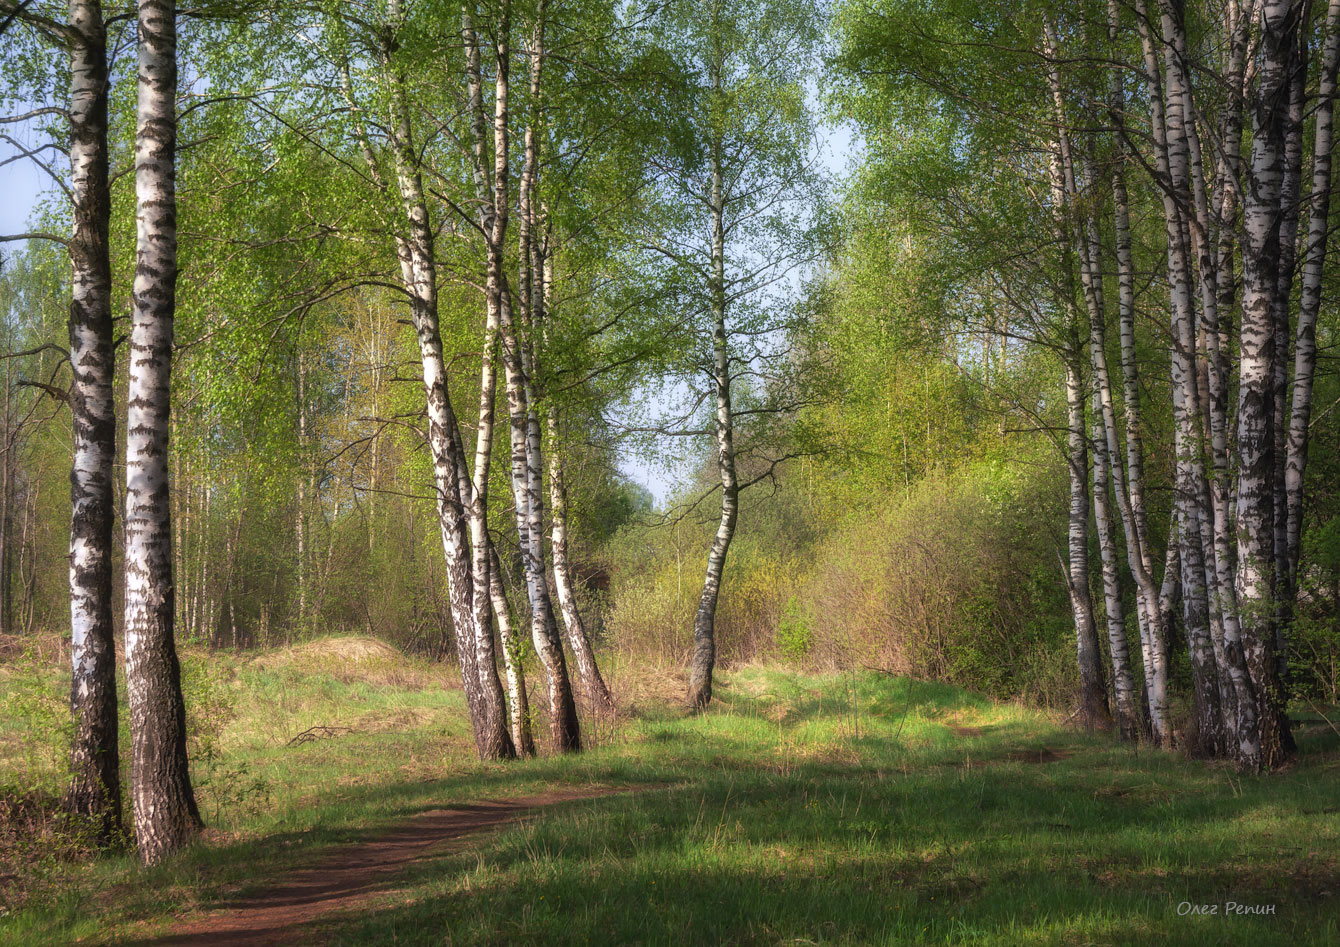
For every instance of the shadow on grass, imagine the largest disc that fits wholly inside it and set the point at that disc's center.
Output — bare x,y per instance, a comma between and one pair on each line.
853,839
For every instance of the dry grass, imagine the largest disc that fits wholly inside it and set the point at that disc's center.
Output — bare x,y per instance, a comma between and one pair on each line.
639,686
354,659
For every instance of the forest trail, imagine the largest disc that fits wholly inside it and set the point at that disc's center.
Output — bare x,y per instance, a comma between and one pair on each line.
352,874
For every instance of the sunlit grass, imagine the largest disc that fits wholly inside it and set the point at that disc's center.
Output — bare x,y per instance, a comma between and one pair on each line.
800,809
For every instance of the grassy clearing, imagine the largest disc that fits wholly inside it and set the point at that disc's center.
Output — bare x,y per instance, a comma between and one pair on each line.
836,810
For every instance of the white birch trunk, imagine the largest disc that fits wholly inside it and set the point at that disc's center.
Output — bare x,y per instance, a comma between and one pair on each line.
166,816
95,781
1314,259
479,673
1207,730
597,691
1094,710
1256,442
704,622
527,460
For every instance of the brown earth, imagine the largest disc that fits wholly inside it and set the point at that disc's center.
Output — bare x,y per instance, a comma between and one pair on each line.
350,875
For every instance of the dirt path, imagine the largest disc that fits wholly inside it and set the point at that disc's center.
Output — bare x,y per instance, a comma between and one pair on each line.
350,875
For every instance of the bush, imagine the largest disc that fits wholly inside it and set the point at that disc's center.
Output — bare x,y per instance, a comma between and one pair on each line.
794,638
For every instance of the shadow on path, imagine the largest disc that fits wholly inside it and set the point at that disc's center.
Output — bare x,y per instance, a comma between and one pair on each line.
351,874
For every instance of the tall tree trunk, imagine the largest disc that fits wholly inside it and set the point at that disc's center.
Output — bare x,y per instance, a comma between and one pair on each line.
1206,736
1290,190
1256,440
95,778
704,620
1314,259
564,725
1209,367
164,804
1153,646
418,269
518,701
1093,707
527,463
1106,476
597,691
1123,681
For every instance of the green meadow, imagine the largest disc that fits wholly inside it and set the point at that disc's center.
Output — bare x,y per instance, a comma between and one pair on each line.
844,809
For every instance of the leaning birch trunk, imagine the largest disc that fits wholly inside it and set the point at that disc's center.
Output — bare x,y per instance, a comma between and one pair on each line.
1084,236
94,791
418,269
1256,475
704,621
563,721
1305,345
1290,189
1153,646
1207,727
526,459
477,499
471,604
1093,707
518,702
597,691
1135,516
166,816
1187,181
495,234
1123,681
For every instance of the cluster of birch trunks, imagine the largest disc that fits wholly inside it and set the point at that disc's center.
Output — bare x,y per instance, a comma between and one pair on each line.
516,293
1222,136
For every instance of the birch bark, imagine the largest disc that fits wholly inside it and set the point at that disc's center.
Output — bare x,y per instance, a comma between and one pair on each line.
1094,710
418,268
704,622
527,462
1256,442
164,803
1314,258
1206,732
597,691
1084,237
95,781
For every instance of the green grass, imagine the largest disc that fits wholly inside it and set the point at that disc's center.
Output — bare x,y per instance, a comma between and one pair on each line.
833,810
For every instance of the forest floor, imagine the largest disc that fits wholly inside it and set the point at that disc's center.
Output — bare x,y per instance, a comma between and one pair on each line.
851,809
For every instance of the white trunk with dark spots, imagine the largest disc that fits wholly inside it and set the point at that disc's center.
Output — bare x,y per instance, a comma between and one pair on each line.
597,691
166,816
1207,729
418,270
1262,215
1314,259
723,426
527,468
1093,706
95,780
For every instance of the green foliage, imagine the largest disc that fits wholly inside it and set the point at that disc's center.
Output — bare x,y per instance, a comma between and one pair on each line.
794,637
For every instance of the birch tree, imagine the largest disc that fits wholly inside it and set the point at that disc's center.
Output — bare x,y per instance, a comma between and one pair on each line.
95,787
413,236
740,232
165,810
1263,215
95,784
